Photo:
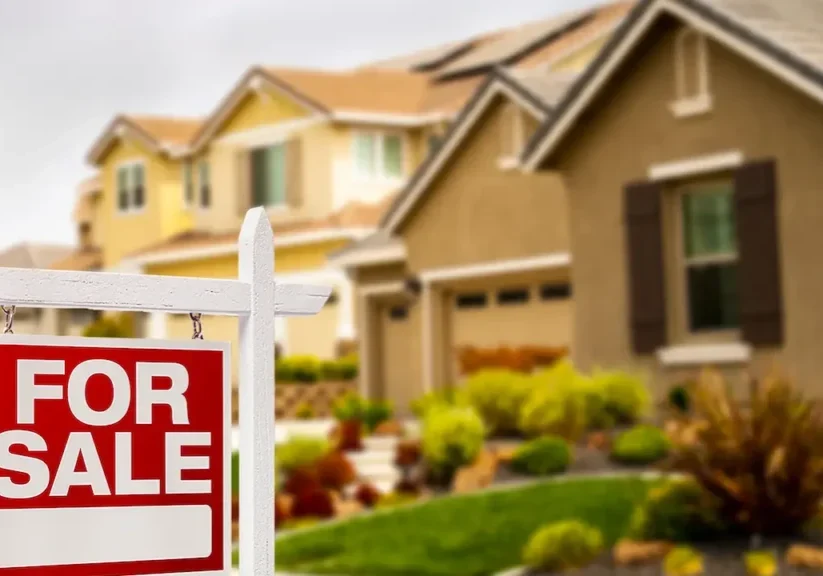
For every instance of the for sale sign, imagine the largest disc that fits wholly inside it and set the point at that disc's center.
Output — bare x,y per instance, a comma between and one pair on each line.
114,457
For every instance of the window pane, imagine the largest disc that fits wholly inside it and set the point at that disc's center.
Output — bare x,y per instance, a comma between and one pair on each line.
708,222
259,176
713,297
364,153
138,183
392,155
205,185
188,183
277,175
122,189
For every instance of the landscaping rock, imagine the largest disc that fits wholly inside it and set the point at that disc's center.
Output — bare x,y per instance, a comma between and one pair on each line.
286,500
803,556
345,508
389,428
629,552
478,475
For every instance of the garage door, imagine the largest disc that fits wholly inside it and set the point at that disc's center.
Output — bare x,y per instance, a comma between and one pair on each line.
520,315
400,370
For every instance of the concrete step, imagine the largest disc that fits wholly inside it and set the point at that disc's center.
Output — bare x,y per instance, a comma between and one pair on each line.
380,443
377,470
370,457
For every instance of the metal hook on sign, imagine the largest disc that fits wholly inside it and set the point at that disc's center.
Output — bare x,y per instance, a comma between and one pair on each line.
197,326
9,313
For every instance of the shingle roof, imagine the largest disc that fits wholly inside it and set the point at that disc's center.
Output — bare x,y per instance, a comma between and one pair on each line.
166,130
788,32
80,259
513,43
32,255
548,87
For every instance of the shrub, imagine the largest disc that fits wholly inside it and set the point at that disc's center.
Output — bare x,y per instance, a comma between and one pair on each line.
304,368
367,495
341,369
679,398
642,444
438,398
300,452
760,563
300,480
561,546
350,407
375,413
235,472
298,523
683,561
677,511
335,471
316,503
111,326
761,462
598,417
304,411
626,395
407,453
543,456
498,396
555,405
452,437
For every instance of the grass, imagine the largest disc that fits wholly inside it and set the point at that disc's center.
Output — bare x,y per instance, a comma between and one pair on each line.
471,535
235,473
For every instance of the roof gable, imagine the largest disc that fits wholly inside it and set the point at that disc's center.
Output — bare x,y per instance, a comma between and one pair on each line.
772,39
533,92
160,135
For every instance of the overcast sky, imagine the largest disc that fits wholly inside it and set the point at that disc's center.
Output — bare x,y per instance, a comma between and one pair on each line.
68,66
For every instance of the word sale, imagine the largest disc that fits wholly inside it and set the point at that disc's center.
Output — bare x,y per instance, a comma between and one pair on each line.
81,445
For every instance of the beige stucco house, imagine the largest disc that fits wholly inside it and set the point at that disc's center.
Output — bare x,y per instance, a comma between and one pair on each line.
691,153
473,252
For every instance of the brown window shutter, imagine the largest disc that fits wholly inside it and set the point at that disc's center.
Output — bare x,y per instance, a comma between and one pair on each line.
647,298
758,277
294,172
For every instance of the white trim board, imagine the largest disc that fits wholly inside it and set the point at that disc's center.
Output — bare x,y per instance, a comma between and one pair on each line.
451,145
377,255
696,166
576,107
703,354
269,134
386,119
555,260
229,248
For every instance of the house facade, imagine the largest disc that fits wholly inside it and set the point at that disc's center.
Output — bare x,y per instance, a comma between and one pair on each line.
690,152
327,153
461,259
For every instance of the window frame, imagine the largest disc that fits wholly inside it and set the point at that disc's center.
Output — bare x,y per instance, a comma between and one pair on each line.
129,167
682,262
379,139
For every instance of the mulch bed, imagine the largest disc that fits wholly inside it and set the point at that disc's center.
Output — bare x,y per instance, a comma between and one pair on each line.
719,559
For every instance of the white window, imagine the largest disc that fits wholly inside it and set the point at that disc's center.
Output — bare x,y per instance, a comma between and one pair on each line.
131,187
378,155
691,74
268,175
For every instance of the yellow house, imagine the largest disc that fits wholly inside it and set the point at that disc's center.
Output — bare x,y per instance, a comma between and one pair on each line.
325,152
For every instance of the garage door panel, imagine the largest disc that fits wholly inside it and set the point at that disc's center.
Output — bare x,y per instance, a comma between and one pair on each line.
401,370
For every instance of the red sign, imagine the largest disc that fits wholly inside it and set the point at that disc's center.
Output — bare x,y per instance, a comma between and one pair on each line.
114,457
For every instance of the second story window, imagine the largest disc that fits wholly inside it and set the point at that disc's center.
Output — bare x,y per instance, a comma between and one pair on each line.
205,184
268,169
188,184
378,155
131,187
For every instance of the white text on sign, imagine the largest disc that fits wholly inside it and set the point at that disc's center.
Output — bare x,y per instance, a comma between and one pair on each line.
81,444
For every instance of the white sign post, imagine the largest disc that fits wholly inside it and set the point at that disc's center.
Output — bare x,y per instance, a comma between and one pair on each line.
256,299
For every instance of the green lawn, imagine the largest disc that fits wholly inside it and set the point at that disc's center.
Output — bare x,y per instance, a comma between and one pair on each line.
472,535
